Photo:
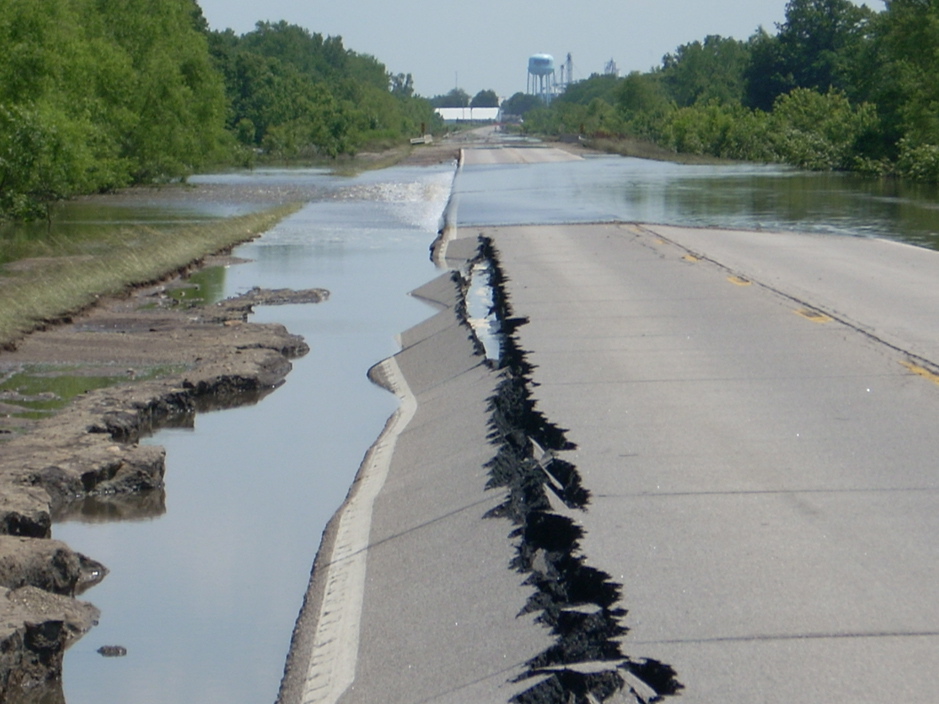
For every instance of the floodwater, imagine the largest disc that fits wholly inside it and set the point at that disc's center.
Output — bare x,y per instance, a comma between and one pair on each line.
742,196
204,596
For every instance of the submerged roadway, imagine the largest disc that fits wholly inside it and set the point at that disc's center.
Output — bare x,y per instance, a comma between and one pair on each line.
755,418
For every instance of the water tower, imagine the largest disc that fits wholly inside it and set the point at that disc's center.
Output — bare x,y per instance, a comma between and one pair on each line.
541,76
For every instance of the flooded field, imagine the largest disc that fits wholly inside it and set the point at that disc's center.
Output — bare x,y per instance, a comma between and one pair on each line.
204,596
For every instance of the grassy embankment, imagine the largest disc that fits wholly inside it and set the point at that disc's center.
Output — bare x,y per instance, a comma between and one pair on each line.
49,280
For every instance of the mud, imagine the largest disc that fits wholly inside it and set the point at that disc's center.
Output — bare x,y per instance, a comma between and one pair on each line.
84,462
579,604
46,564
36,628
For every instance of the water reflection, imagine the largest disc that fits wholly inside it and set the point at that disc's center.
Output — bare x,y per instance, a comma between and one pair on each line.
204,287
140,506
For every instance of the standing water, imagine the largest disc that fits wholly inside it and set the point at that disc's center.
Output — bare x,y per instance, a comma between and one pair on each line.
204,597
744,196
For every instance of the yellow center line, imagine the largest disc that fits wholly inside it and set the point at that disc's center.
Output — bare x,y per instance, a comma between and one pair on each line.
813,315
691,258
738,281
922,371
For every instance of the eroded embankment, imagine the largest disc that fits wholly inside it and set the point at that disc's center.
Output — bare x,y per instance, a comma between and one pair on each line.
88,454
578,603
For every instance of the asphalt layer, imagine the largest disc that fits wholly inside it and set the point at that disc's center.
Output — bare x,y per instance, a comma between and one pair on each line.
733,456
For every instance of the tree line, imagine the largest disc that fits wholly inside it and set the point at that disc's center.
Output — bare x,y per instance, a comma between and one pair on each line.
837,86
100,94
459,98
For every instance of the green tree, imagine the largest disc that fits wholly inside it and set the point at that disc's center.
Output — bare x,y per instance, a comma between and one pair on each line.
838,87
55,64
819,131
821,38
712,70
765,77
907,63
584,92
105,93
643,104
174,93
43,158
402,85
294,93
456,98
816,47
97,94
520,104
485,99
309,53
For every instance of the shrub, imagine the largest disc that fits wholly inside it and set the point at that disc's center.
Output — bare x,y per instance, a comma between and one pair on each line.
918,161
819,131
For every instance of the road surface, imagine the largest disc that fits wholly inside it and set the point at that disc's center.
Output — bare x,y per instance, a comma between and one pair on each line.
764,475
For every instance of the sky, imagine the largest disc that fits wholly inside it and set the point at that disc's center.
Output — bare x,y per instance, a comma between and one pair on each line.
486,44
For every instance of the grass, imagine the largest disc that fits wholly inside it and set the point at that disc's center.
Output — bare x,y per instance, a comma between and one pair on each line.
70,276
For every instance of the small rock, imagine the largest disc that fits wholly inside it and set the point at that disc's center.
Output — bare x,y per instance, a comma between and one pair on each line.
113,651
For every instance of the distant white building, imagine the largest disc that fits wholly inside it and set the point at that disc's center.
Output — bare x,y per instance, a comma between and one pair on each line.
469,114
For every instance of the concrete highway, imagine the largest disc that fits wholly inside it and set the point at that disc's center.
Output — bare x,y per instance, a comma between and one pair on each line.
764,475
755,419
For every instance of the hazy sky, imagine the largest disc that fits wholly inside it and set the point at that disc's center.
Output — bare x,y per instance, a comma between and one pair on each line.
486,44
